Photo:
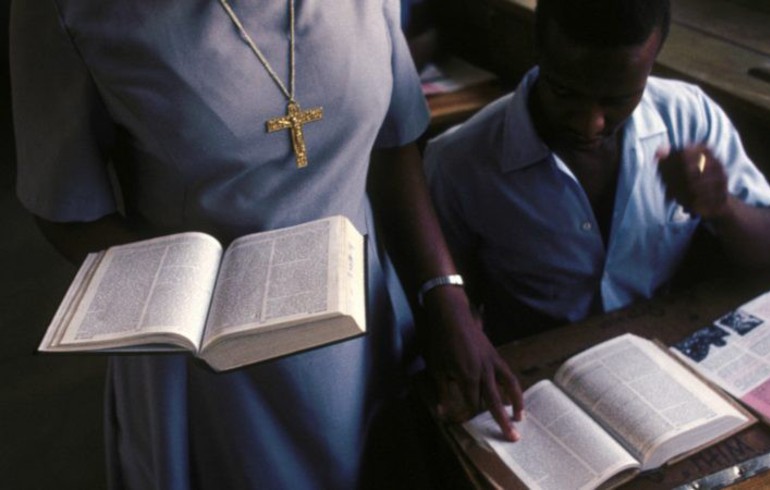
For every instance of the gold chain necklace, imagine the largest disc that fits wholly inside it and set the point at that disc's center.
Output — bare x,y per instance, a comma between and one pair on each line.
295,117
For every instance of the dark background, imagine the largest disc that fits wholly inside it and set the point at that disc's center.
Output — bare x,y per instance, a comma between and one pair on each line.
50,406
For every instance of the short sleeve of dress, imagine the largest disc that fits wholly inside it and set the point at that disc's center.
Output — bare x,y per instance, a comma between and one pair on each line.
407,115
62,128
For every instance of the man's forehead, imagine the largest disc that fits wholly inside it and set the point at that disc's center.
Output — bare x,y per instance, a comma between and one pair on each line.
556,38
564,59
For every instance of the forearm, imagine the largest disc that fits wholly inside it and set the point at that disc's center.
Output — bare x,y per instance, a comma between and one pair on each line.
403,209
75,240
456,350
744,232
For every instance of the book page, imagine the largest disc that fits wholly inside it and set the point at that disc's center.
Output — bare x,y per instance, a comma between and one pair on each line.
560,446
644,397
734,353
274,276
158,285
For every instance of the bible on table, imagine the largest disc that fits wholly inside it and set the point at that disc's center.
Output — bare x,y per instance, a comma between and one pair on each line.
621,407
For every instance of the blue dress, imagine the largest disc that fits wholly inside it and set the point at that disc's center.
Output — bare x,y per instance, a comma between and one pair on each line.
175,89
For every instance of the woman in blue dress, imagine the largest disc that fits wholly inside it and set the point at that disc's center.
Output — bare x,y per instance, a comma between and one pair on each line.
139,118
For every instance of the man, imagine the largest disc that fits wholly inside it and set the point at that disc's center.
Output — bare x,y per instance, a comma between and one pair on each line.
580,192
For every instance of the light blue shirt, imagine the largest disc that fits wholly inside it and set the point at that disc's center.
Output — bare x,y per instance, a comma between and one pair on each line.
508,202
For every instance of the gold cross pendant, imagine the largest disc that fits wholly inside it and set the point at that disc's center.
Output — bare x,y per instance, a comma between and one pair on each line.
293,120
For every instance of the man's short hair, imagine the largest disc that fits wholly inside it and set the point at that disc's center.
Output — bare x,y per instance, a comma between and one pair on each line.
603,23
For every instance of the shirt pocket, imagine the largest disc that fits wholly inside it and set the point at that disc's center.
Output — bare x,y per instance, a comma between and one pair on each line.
669,245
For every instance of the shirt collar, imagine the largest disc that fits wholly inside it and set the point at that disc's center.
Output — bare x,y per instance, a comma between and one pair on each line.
521,144
523,147
646,119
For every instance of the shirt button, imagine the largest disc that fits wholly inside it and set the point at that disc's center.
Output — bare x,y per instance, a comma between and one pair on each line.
586,226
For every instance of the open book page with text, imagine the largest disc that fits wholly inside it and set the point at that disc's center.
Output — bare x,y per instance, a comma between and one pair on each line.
273,277
560,447
734,353
158,286
269,294
648,401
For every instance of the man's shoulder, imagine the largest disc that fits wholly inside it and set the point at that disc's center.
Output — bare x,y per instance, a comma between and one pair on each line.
681,107
489,118
667,93
478,138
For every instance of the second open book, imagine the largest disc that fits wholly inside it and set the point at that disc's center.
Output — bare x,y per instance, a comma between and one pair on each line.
621,407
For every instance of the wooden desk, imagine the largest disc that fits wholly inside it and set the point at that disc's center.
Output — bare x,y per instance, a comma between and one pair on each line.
724,46
668,319
452,108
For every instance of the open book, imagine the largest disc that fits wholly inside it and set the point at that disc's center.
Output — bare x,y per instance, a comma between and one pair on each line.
267,295
618,408
734,354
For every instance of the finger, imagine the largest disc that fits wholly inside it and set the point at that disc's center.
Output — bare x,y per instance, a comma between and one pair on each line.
701,165
512,390
443,403
497,409
709,190
670,169
695,166
452,406
696,159
713,170
682,176
711,199
470,388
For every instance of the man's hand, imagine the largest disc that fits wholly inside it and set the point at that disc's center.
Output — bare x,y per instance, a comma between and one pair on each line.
469,373
696,180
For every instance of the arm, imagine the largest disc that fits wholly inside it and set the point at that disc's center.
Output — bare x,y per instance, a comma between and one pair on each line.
744,231
458,353
75,240
700,186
